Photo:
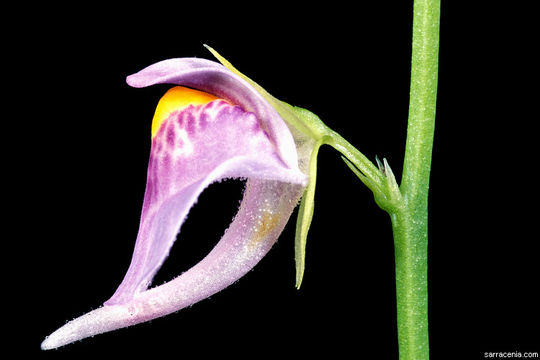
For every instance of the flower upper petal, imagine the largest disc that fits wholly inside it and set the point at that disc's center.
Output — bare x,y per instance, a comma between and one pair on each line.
216,79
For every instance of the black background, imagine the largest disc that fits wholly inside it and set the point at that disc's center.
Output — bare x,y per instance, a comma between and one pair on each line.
79,146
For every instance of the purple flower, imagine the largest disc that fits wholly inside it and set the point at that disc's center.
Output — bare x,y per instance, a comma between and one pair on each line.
224,129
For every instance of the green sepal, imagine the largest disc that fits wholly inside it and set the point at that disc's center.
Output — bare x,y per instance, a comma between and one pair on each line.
305,216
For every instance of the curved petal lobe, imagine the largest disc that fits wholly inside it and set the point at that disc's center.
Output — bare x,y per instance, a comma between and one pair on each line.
266,207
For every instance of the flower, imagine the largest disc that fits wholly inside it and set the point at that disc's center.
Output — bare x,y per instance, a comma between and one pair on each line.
226,128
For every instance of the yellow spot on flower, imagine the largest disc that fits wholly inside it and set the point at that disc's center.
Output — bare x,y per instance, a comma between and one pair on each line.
265,225
176,99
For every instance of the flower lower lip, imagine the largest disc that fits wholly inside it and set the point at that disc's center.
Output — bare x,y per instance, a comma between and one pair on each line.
246,241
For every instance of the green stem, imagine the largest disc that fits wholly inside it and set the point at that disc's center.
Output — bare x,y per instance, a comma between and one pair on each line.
410,242
408,203
409,221
423,97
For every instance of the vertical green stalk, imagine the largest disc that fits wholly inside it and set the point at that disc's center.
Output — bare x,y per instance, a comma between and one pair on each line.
409,221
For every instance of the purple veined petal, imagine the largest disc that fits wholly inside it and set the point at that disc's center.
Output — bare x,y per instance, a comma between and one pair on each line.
214,78
193,148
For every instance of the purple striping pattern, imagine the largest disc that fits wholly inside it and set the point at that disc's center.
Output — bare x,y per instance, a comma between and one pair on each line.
184,153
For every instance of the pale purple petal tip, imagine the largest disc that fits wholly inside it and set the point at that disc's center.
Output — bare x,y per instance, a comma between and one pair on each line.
265,209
